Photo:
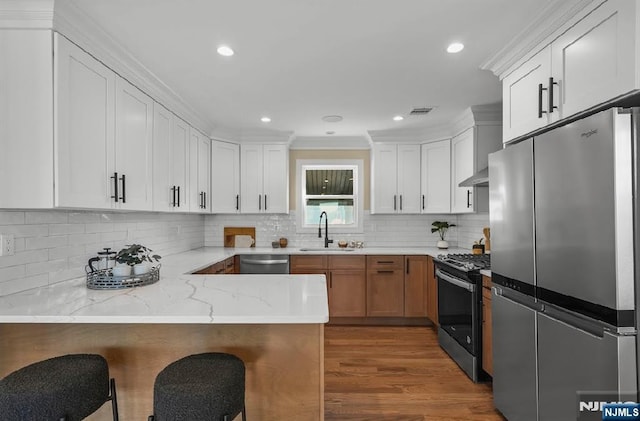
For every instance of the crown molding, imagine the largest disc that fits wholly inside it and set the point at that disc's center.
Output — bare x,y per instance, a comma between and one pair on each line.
330,142
543,29
478,115
26,14
72,22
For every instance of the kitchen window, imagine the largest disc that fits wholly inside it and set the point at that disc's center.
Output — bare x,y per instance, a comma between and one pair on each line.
332,186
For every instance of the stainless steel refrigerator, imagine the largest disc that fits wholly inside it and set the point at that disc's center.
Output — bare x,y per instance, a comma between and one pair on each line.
563,207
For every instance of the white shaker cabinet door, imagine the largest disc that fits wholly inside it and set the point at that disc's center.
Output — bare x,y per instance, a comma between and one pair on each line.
409,178
525,96
162,159
251,179
462,167
276,179
225,177
180,163
134,134
436,177
385,179
84,128
199,175
594,60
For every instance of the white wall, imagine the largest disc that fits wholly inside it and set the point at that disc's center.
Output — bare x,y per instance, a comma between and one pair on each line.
379,230
53,246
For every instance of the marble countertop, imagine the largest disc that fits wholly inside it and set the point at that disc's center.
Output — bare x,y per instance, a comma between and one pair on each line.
180,297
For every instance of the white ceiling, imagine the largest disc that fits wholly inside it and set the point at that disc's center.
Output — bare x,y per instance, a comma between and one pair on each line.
298,60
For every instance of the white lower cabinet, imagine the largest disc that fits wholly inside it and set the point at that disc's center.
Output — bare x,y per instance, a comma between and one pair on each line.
435,174
264,181
225,177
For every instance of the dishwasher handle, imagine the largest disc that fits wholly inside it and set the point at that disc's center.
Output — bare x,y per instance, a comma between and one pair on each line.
265,262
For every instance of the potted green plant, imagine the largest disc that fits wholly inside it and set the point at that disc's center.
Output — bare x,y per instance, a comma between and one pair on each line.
136,256
441,227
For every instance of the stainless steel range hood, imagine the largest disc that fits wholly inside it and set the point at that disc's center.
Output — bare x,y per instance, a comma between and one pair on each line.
479,179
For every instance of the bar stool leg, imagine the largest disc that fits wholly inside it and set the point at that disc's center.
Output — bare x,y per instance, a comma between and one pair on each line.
114,399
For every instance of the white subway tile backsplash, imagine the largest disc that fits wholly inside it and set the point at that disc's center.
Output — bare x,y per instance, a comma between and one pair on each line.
11,217
55,245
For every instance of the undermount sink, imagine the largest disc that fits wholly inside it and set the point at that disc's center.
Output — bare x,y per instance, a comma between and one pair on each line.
325,250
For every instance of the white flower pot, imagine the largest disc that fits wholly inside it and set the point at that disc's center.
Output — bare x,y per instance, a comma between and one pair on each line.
123,270
443,244
140,269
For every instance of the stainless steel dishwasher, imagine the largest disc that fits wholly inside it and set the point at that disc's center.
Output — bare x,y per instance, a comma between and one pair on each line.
264,263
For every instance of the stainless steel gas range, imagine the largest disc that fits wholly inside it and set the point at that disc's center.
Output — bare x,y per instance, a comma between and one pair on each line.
460,309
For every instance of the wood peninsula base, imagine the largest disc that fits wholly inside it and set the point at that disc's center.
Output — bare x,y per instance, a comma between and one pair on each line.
284,362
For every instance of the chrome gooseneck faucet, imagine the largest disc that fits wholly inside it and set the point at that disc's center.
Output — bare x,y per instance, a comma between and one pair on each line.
326,229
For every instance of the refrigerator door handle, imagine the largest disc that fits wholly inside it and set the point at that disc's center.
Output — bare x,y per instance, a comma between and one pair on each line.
517,298
589,327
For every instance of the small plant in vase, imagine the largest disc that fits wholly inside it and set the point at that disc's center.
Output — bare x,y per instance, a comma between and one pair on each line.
135,256
441,227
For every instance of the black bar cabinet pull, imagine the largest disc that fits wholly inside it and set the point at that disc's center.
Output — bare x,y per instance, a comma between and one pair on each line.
124,191
400,202
408,265
394,202
330,279
115,186
265,202
178,188
540,111
259,202
423,202
173,196
204,201
468,198
385,271
237,202
551,106
201,200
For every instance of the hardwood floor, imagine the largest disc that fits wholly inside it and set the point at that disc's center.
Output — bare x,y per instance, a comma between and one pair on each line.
397,374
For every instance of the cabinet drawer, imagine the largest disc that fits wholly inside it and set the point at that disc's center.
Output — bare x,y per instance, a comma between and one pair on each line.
347,262
313,262
385,262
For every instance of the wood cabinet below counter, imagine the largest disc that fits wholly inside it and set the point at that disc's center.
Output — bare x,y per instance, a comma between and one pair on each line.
487,349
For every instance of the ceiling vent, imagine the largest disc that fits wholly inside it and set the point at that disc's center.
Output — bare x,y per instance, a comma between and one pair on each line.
421,111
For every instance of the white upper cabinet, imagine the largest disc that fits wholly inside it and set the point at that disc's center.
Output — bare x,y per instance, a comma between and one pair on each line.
436,177
84,129
103,134
589,63
469,154
395,187
593,61
525,97
264,181
225,177
133,147
170,161
199,172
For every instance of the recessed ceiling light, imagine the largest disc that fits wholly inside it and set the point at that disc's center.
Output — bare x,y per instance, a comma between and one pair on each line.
398,118
226,51
265,120
332,118
330,132
455,47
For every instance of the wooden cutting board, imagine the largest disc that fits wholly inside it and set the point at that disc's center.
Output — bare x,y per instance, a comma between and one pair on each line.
231,232
487,239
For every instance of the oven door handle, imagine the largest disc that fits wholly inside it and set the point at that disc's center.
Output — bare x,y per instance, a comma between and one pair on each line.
455,281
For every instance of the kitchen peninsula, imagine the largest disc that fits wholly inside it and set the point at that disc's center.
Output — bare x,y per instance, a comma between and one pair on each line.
273,322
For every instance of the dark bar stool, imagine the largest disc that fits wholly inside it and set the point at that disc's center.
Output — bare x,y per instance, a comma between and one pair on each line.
66,388
201,387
